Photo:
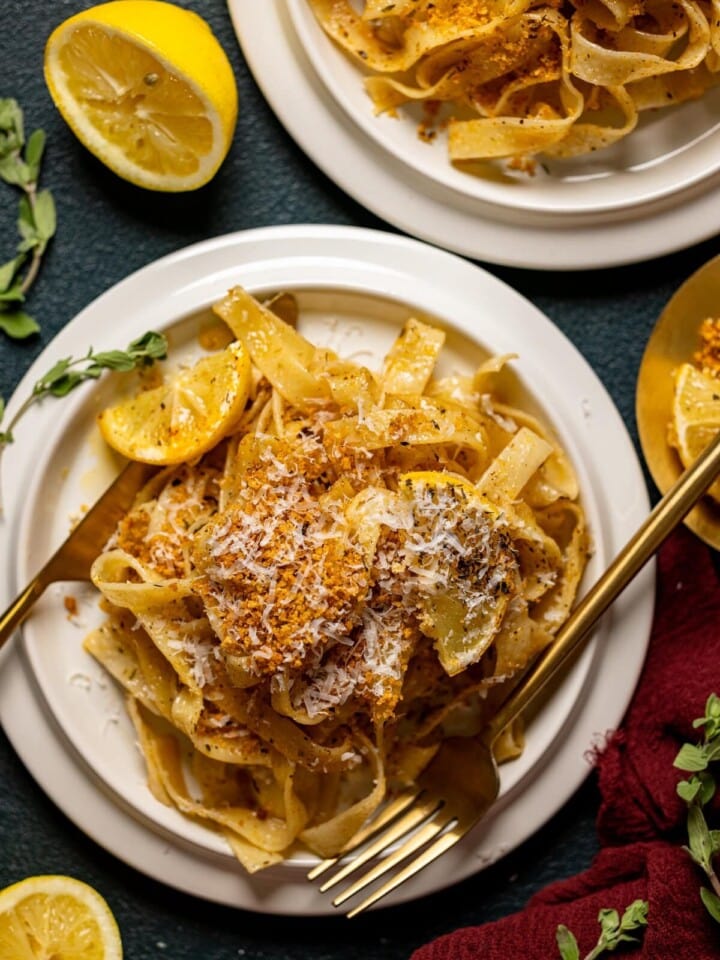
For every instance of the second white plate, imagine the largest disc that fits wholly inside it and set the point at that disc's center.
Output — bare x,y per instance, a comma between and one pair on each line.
573,238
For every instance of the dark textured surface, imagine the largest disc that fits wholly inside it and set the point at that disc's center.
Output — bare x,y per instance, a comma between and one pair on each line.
108,229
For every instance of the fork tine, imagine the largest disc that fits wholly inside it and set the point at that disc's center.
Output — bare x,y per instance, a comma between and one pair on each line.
417,814
391,810
418,840
436,849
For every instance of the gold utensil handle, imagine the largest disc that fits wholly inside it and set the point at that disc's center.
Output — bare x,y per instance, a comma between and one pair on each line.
666,515
20,608
74,558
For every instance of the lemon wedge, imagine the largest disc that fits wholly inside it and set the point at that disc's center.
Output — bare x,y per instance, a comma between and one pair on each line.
185,416
58,917
467,551
147,88
695,415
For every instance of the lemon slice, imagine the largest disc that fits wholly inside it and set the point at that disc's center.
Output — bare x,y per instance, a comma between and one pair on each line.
185,416
467,550
695,415
56,917
147,88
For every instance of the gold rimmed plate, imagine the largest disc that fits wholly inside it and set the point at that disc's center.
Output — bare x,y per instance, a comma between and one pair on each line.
674,341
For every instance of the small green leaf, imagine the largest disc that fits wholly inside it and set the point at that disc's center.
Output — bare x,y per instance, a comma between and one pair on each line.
45,220
691,757
13,295
151,346
609,921
635,915
699,836
34,151
567,944
687,790
707,787
14,171
712,903
8,271
54,373
62,386
11,123
26,221
114,360
17,324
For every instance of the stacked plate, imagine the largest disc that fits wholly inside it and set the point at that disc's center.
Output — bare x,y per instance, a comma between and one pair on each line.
654,192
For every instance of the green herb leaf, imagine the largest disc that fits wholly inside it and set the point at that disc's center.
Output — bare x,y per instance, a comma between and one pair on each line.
609,921
34,150
44,213
691,757
13,295
8,271
567,944
687,790
712,903
17,324
149,347
700,842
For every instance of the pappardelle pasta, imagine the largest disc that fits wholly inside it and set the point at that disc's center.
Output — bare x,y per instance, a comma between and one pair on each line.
356,571
559,78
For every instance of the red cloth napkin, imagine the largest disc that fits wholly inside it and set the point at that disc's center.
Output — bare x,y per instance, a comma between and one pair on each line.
641,818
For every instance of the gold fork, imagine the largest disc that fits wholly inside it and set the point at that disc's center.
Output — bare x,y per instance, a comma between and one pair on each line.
461,784
72,561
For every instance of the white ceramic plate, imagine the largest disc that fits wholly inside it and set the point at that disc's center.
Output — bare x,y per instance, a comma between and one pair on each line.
669,150
356,287
676,204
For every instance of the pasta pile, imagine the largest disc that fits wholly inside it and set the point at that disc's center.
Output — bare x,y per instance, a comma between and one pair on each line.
525,77
354,573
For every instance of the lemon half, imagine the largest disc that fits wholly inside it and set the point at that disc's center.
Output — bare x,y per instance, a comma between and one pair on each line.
147,88
58,917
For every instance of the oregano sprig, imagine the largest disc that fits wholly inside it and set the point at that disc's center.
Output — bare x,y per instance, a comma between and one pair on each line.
614,930
69,373
697,791
20,162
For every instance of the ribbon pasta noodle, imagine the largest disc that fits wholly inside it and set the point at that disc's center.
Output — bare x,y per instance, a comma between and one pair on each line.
560,78
356,572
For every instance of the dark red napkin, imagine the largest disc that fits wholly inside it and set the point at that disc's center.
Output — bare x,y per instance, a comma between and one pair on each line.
641,818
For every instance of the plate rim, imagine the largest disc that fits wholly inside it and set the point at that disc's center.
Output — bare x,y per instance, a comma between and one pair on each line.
255,895
423,209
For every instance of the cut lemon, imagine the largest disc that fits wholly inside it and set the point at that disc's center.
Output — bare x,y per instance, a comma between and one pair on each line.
56,917
147,88
695,415
464,549
184,417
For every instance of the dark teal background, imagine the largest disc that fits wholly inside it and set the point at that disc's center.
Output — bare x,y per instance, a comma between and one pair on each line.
107,229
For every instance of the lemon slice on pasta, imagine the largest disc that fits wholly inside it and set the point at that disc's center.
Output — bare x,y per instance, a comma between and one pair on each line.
695,415
467,552
56,916
185,416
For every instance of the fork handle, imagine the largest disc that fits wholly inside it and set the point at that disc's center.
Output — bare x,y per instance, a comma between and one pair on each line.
20,608
666,515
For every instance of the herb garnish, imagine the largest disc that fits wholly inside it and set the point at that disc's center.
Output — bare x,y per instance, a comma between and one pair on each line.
20,167
69,373
697,791
614,930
